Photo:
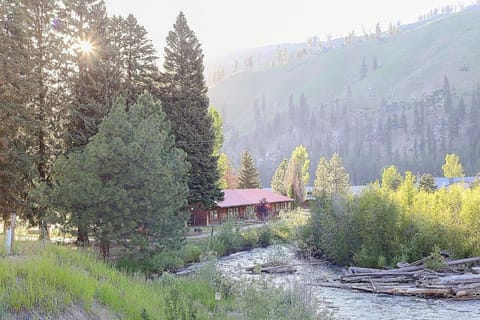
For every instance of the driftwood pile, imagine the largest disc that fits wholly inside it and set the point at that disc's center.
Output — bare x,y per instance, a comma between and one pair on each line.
458,279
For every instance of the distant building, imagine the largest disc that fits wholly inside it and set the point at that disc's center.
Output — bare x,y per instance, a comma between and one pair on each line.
442,182
242,204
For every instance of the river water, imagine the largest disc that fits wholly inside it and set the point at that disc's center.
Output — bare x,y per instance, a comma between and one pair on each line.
342,303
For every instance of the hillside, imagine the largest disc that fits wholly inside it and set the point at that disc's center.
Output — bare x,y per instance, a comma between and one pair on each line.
410,67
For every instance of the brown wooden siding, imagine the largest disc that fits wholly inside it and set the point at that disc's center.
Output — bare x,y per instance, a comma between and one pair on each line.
205,217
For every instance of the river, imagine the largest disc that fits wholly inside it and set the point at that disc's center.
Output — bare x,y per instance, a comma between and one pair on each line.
344,304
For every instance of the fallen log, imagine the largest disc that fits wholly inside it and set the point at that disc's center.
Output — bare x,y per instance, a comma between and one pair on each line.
463,261
360,276
423,292
279,269
355,270
272,269
455,279
476,270
450,282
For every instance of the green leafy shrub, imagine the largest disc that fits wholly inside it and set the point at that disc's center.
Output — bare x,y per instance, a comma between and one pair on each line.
435,261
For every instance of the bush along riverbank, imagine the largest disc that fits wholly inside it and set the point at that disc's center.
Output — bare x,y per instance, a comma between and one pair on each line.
397,224
230,237
392,222
46,281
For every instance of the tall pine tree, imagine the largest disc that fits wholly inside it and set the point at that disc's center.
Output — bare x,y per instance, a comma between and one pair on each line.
91,78
15,117
129,183
184,98
248,177
47,56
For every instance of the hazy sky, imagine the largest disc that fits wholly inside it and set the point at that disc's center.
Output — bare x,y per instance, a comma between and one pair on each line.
227,25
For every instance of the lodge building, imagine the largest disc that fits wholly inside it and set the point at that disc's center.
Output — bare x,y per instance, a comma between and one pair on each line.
242,204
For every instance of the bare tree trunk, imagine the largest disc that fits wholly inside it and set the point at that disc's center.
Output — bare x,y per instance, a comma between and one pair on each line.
105,249
82,235
44,230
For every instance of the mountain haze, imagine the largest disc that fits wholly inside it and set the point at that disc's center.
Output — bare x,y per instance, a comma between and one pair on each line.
411,67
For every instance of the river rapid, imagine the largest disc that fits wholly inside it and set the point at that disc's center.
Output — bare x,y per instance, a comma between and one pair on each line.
342,303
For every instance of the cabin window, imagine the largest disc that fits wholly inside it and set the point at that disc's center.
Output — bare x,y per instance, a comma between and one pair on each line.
249,212
232,212
213,215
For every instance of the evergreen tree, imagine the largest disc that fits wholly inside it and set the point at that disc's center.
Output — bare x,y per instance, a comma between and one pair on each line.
47,52
427,183
184,98
129,183
474,112
404,123
248,177
363,69
452,168
94,82
374,64
138,60
278,179
447,95
461,109
378,31
90,76
15,91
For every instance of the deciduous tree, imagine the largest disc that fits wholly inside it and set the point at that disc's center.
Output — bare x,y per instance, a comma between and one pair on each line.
278,179
452,168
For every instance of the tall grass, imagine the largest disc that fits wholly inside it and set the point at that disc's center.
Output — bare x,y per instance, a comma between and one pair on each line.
46,279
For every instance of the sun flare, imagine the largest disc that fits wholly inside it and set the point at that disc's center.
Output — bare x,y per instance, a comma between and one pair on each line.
85,46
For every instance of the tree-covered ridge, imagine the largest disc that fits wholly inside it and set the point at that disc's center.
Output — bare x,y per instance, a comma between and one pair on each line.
413,135
410,109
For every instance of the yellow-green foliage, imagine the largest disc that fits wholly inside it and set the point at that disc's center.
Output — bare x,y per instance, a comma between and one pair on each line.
289,224
448,218
386,224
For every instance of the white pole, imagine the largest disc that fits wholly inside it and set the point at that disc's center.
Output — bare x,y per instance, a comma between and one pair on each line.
8,241
13,222
10,233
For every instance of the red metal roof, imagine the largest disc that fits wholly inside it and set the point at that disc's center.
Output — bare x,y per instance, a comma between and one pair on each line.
245,197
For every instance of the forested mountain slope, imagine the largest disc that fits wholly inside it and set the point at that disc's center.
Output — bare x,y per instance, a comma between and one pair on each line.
389,98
